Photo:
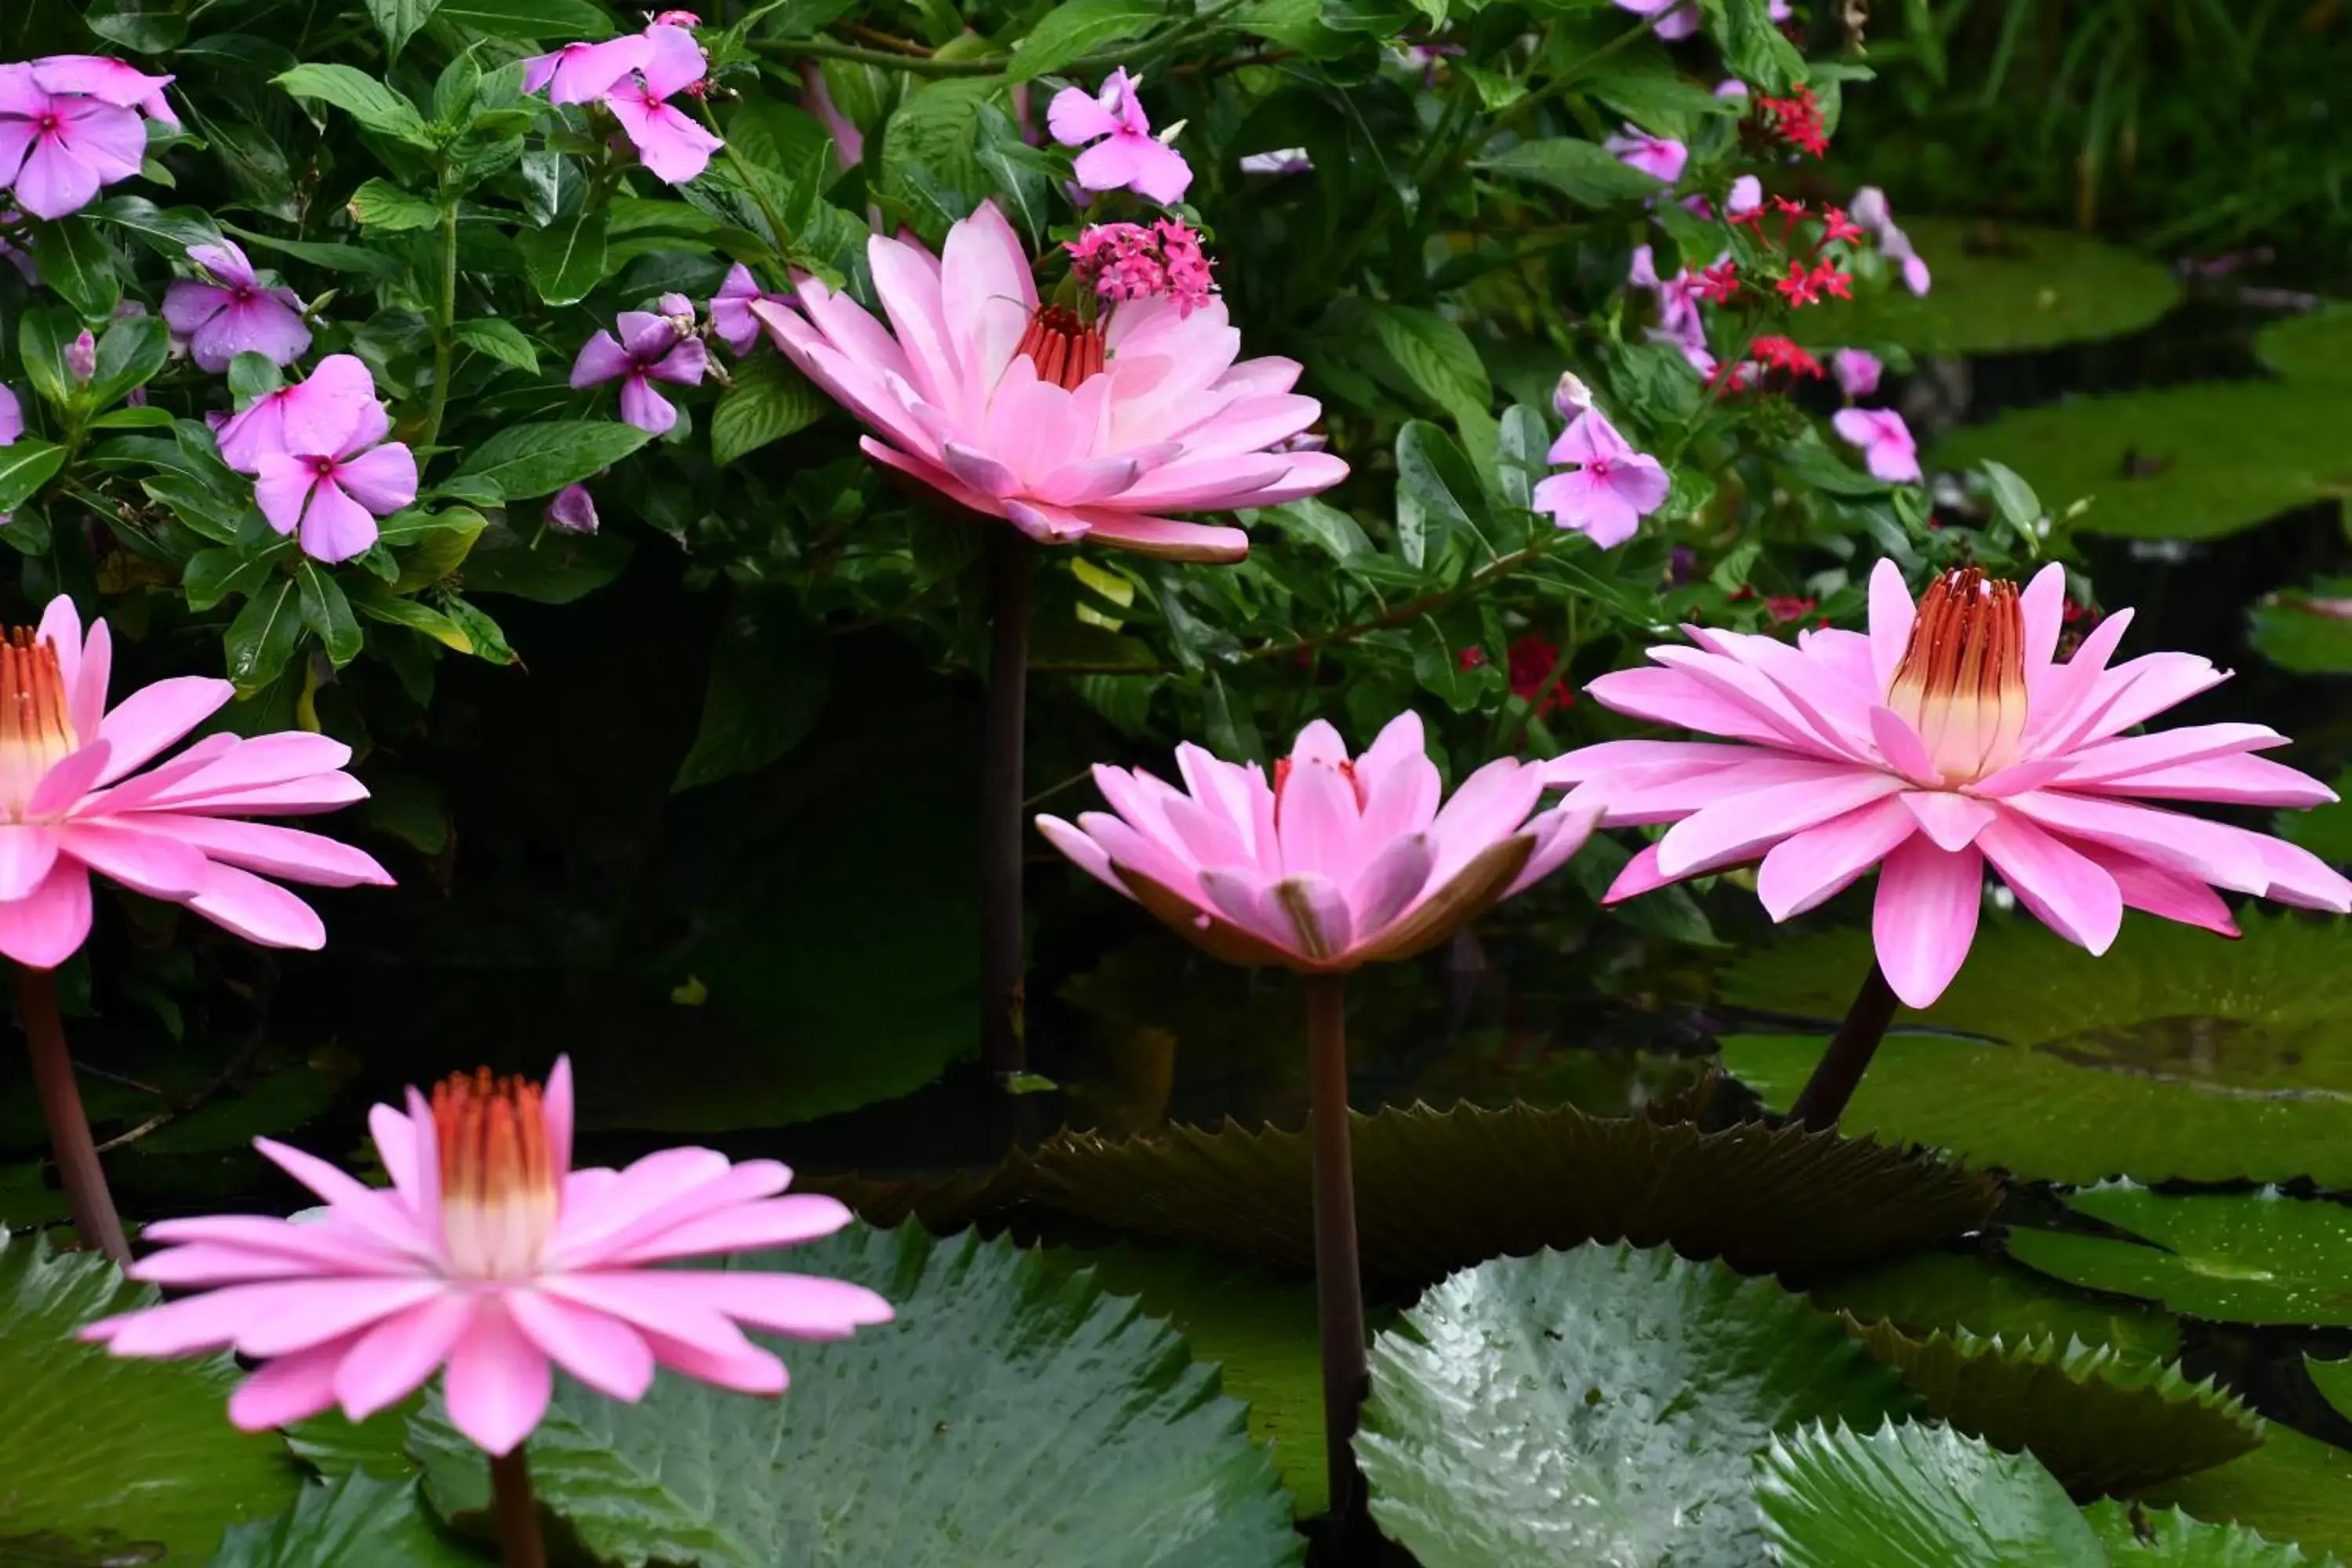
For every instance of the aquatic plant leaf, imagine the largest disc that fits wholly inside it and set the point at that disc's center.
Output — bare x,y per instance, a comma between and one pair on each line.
1988,1296
2003,290
357,1520
334,1447
2176,462
2250,1258
2136,1536
2176,1055
1013,1412
1604,1405
2325,830
2303,629
2313,349
2294,1488
2334,1381
1915,1495
2102,1421
104,1460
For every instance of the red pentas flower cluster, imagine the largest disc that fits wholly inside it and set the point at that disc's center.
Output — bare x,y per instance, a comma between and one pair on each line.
1810,273
1532,658
1796,120
1135,261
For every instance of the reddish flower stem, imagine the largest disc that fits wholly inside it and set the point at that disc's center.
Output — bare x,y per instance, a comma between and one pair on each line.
1823,1098
91,1205
517,1511
1012,574
1339,1278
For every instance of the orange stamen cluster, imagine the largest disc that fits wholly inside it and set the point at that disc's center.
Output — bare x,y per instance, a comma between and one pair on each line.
35,730
1065,350
1961,684
499,1181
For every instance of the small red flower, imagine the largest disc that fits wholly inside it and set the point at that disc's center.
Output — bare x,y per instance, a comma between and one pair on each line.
1787,607
1531,660
1719,284
1835,225
1800,288
1473,658
1783,353
1798,121
1786,208
1827,277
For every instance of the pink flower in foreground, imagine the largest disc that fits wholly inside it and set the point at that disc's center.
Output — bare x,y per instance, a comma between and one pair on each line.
1332,865
336,476
1124,156
297,417
1065,428
1857,372
492,1257
12,417
1887,448
653,346
1945,738
1660,157
234,314
584,73
730,308
1613,488
57,147
667,140
73,801
110,81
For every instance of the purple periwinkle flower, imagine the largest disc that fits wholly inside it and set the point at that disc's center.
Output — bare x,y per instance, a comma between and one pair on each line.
59,139
1887,448
574,510
335,474
12,417
651,347
1857,372
81,357
233,313
730,308
1660,157
1124,155
1611,488
668,143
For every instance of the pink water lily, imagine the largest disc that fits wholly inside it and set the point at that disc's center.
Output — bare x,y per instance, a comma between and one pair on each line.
730,308
1611,488
653,346
1066,428
74,801
667,140
1660,157
301,416
1887,448
1946,737
1333,864
58,146
336,476
233,313
492,1257
1124,155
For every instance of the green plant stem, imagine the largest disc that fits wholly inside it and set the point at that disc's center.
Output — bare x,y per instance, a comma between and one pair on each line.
1338,1277
1826,1094
445,326
86,1197
1012,577
519,1543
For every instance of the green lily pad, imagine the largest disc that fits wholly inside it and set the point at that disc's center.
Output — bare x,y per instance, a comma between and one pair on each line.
105,1461
1599,1406
354,1521
2177,1055
334,1447
2101,1422
1013,1412
2305,631
1999,291
2325,830
2140,1537
2294,1488
1972,1293
2178,462
2334,1381
2260,1257
2315,348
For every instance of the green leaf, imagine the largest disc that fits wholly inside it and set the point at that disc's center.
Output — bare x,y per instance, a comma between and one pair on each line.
501,341
555,568
1079,27
1436,358
142,26
769,676
1648,91
130,354
1325,526
399,20
769,401
2307,632
381,204
2334,1381
1753,46
328,614
41,338
1437,488
212,575
2315,348
529,20
2293,1488
141,418
169,230
1914,1496
2140,1537
332,254
2012,499
482,635
161,1474
77,267
365,100
24,468
2259,1258
1058,1427
528,460
378,603
1987,1296
2028,288
1586,173
354,1522
1599,1405
566,259
261,639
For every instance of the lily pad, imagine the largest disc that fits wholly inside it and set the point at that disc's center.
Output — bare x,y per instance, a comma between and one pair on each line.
354,1521
334,1447
1972,1293
2260,1257
1013,1412
2309,632
2334,1381
2000,290
2140,1537
2315,348
2177,1055
1599,1406
2293,1488
2101,1422
103,1460
2179,462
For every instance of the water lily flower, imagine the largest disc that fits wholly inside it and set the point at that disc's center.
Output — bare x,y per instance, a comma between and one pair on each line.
337,475
1887,448
299,416
584,73
492,1257
1125,155
1660,157
574,510
1945,738
667,140
653,346
730,312
1612,488
1334,863
58,146
1857,372
74,801
233,313
1064,426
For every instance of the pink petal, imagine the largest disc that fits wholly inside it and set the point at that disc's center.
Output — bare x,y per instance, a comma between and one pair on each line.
283,757
2163,893
1074,117
281,489
677,1304
1807,870
53,183
746,1369
1640,876
1395,876
155,717
1164,537
389,1360
382,480
2190,845
675,62
1900,744
1091,857
1111,165
1317,910
2238,781
1745,826
557,1111
43,929
646,409
272,851
1926,917
1952,821
27,853
739,1227
2062,888
1891,615
291,1388
602,1351
68,780
261,912
335,527
1318,822
2043,608
150,863
730,1189
601,359
86,689
499,1381
2103,761
805,1306
1559,834
644,1188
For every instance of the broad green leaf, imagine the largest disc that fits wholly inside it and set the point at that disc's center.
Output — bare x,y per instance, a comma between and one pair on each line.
77,267
566,259
2334,1381
931,144
1436,491
169,230
330,254
1971,1292
378,603
2309,632
328,614
1057,1427
2293,1488
1599,1405
1079,27
2314,348
110,1461
1647,90
24,468
2259,1258
356,1520
528,460
1586,173
501,341
769,401
212,575
2028,288
130,354
398,20
41,338
127,418
2136,1536
142,26
1753,46
768,675
528,20
361,95
1323,525
261,639
555,568
381,204
1910,1495
483,635
1437,360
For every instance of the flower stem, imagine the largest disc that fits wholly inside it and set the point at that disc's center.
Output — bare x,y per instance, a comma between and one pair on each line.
1012,573
1338,1281
519,1543
1826,1094
53,1076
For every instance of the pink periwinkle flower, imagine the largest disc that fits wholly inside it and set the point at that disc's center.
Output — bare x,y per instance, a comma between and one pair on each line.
110,81
336,475
584,73
1680,22
1125,155
1747,195
12,417
80,356
848,141
1660,157
1570,395
668,142
1947,737
73,801
730,308
1871,210
574,510
652,347
1129,261
1857,372
676,19
1887,448
296,417
1066,428
59,143
1612,488
1335,863
233,313
1678,296
492,1257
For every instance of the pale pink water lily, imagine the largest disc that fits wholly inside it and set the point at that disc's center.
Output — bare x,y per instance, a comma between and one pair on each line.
492,1257
669,141
1857,372
1124,155
1066,428
1660,157
653,346
574,510
1887,448
1946,737
232,313
57,147
1335,862
335,478
1612,488
296,417
584,73
74,801
730,308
